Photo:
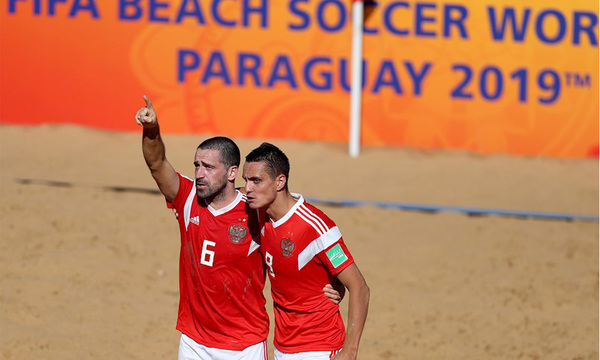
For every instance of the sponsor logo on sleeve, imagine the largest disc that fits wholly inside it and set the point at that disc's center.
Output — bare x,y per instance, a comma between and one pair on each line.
336,255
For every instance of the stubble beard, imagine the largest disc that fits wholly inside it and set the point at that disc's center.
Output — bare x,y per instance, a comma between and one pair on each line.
211,192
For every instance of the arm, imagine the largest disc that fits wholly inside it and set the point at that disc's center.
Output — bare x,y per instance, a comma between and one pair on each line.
153,149
357,310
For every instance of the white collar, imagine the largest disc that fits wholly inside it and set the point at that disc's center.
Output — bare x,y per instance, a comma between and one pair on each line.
223,210
299,201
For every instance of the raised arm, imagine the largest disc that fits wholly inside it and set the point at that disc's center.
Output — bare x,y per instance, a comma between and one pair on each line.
357,310
154,152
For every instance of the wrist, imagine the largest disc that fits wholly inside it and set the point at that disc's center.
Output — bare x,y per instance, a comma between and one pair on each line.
350,350
151,126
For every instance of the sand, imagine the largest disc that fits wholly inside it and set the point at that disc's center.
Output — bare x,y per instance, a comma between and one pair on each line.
89,253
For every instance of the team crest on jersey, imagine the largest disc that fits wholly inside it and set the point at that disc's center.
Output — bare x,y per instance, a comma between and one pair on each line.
237,233
287,247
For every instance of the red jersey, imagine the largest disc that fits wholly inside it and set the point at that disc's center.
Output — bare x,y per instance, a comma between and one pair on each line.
221,272
303,252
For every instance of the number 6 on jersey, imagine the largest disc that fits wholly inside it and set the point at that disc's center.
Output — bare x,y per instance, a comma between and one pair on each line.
208,256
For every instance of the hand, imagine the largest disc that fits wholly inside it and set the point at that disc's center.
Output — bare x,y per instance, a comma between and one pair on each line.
344,355
146,116
334,294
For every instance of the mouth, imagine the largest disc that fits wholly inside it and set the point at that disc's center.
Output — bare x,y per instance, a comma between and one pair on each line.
201,186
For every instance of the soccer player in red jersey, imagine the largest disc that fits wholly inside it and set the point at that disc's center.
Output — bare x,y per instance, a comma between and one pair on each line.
222,311
303,250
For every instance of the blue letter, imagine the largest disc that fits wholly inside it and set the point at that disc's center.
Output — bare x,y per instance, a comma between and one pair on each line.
325,75
420,18
301,14
341,15
195,12
251,69
261,10
388,15
216,58
393,81
417,77
498,34
578,27
52,6
123,12
288,75
562,28
154,6
217,16
458,22
90,7
12,6
186,60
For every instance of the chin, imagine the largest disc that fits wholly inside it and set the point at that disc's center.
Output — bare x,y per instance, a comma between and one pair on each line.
253,206
202,195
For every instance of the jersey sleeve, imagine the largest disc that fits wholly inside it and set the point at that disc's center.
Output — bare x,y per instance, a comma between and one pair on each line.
336,257
185,186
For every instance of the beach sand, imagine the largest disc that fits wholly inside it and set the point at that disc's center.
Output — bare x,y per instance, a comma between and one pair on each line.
89,253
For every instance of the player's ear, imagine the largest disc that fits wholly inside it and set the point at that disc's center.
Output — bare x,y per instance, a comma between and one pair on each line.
281,180
232,173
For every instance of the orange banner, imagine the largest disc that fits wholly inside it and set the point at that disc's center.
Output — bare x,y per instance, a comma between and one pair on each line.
489,77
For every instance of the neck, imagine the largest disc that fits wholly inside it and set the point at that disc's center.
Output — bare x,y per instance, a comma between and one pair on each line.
223,198
283,202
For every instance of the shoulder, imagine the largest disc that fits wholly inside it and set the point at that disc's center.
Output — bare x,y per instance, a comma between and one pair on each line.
312,215
185,183
185,192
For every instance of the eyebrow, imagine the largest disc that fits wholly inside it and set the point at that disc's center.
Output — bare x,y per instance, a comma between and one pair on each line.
204,163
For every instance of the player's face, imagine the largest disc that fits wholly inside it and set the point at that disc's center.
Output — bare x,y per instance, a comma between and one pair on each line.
261,189
211,174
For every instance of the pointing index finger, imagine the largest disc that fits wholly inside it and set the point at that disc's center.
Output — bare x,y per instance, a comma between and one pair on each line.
148,102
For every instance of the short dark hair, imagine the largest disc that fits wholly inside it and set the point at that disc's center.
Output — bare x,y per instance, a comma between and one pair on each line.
230,152
277,162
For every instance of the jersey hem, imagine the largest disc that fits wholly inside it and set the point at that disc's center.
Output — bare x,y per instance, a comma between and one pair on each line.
294,350
240,346
342,268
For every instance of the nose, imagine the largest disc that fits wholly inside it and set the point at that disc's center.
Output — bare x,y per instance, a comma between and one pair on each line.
199,172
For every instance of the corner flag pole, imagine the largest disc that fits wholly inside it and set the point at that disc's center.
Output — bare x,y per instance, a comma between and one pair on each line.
356,77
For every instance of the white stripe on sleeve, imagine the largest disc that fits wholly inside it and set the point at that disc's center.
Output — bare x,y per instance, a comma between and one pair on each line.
187,209
319,244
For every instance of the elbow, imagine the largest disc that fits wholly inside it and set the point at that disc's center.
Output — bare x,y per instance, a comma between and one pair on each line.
366,293
155,165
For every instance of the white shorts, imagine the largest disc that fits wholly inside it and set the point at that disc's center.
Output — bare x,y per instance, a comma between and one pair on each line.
191,350
309,355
